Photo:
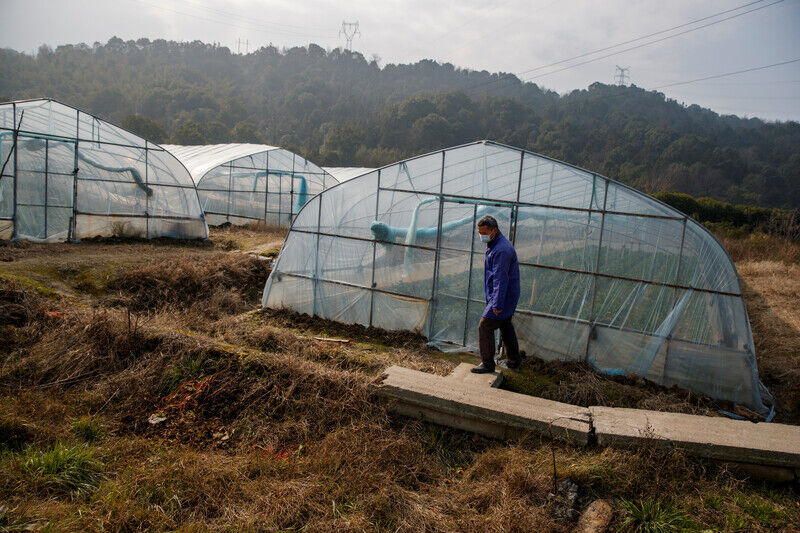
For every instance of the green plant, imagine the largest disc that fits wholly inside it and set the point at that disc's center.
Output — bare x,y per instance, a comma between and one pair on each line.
88,429
63,469
651,516
450,447
189,367
271,252
763,511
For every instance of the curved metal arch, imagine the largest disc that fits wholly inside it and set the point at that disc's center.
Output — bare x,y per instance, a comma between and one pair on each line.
652,341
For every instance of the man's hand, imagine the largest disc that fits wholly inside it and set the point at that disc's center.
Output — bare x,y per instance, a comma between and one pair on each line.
497,311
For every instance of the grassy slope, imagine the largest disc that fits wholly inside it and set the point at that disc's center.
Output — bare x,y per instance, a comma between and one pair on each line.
267,428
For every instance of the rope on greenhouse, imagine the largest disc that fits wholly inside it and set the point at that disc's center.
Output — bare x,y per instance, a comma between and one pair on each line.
137,177
35,144
302,192
302,195
387,234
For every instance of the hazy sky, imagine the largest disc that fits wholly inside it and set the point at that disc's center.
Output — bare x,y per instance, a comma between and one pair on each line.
508,35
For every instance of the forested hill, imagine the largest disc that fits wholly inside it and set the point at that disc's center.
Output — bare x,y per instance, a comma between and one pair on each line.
339,108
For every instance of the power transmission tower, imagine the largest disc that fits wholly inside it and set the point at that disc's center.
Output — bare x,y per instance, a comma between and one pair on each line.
349,30
239,44
621,77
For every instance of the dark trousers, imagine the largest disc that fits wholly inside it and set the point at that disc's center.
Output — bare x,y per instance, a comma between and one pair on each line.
486,328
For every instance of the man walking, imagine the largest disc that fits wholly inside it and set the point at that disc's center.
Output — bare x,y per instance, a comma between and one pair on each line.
501,287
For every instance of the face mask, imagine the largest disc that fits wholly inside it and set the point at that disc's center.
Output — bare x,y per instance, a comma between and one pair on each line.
486,238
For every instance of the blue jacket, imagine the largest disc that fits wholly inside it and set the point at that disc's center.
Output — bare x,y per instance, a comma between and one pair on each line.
500,278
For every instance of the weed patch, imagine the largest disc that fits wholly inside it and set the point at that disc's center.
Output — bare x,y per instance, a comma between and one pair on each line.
68,470
88,429
652,516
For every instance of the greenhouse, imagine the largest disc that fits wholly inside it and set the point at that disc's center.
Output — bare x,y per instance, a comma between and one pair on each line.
245,183
609,275
67,175
346,173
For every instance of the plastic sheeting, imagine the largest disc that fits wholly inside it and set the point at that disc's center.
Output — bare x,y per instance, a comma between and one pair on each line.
67,175
346,173
609,275
246,183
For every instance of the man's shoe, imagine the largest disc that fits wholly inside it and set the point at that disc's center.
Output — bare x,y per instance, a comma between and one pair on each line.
513,365
482,369
509,365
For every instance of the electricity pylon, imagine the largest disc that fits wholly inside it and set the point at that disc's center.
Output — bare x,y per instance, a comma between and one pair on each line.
621,77
349,30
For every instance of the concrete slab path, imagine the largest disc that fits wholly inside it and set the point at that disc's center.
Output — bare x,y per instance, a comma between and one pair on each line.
473,402
702,436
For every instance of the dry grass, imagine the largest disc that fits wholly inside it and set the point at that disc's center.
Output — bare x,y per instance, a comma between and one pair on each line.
252,237
578,384
218,284
748,247
267,428
772,293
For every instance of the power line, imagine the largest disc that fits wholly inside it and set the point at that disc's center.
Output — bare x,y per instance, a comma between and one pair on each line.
760,83
716,76
623,43
216,21
726,74
494,30
736,97
248,19
653,42
634,40
470,21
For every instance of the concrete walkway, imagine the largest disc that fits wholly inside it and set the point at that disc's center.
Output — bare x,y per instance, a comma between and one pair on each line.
472,402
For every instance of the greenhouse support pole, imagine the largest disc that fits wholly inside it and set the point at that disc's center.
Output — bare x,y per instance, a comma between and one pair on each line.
437,253
596,266
266,184
680,259
74,224
675,290
14,225
469,279
316,250
374,250
230,187
515,209
147,196
46,169
291,191
280,197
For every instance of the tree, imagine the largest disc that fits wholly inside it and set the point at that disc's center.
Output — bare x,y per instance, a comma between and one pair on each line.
146,128
188,133
246,132
216,132
348,109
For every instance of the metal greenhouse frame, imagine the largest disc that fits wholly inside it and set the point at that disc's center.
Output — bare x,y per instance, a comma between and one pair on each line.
609,275
244,183
68,175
